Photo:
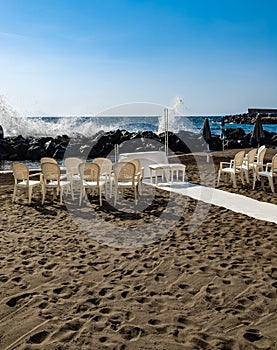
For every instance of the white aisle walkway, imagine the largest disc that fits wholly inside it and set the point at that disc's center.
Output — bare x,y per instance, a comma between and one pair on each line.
235,202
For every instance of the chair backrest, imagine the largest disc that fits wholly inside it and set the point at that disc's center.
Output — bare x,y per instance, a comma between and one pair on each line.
89,172
72,165
260,156
20,171
51,172
135,161
260,149
274,164
238,160
125,171
105,165
48,160
251,155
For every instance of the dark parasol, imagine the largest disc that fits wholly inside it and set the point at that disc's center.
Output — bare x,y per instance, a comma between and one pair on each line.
258,133
206,132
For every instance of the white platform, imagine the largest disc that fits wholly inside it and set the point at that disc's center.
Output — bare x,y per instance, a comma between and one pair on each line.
146,159
235,202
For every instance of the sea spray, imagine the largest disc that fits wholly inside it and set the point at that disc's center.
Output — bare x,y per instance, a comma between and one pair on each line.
177,121
15,124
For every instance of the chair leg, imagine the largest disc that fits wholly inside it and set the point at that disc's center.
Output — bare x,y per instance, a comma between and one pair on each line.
100,196
270,179
136,198
14,193
43,195
247,176
81,194
115,194
111,188
234,180
29,195
72,192
183,177
218,177
61,194
262,182
140,187
72,189
254,179
241,176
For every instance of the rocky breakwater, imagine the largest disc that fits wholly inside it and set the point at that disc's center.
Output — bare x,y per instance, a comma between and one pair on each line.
103,143
100,145
250,118
32,148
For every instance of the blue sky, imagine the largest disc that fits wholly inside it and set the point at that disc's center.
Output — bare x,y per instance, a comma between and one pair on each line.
85,56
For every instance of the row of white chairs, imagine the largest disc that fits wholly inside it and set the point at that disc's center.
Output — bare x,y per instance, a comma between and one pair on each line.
98,175
243,164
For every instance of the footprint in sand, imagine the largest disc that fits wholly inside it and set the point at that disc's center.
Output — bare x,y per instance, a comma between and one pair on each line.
154,322
253,335
129,332
43,261
4,279
105,310
213,294
13,301
64,292
38,338
124,294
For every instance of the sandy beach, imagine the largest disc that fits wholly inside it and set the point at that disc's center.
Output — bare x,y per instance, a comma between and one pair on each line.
211,287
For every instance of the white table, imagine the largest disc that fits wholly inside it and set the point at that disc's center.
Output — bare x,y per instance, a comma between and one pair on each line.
167,172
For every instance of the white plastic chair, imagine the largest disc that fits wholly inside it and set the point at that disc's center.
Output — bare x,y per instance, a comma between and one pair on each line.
52,180
22,180
270,172
234,167
260,150
90,179
259,163
249,163
126,178
106,167
139,170
72,171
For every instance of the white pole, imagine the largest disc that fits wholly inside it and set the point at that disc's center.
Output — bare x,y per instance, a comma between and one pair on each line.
116,150
166,130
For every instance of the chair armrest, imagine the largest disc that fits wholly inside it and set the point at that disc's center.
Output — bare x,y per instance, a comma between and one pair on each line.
106,175
138,177
36,174
222,163
268,166
65,176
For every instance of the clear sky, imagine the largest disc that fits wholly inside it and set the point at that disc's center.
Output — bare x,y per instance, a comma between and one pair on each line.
84,56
